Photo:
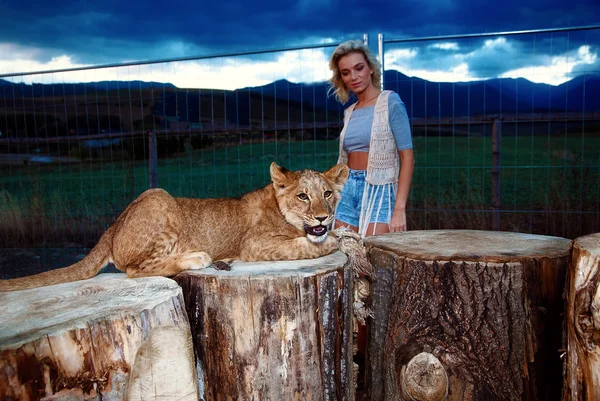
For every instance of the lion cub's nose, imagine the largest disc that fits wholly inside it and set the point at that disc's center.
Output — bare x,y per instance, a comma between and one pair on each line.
321,218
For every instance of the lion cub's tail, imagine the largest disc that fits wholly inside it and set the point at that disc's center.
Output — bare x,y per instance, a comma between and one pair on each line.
87,267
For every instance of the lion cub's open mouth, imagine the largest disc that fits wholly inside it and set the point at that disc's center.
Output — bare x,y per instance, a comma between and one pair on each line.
316,230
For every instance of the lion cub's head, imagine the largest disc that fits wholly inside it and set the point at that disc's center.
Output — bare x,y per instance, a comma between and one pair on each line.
307,198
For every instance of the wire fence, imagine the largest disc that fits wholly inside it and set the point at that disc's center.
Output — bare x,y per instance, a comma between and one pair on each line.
496,147
506,151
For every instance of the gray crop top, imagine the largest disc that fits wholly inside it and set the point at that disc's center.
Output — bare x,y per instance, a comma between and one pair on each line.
358,132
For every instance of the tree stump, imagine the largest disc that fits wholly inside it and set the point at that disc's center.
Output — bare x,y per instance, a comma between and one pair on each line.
106,338
465,315
582,322
272,330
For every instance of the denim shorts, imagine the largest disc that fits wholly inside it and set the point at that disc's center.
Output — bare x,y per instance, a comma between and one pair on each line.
349,207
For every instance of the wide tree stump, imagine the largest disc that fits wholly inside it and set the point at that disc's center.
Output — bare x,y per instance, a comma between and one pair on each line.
272,330
466,315
107,338
582,322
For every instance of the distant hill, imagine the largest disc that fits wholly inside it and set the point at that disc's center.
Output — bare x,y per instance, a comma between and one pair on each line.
69,89
247,106
445,99
283,100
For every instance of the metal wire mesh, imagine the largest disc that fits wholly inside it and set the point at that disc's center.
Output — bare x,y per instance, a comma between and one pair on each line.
508,151
77,146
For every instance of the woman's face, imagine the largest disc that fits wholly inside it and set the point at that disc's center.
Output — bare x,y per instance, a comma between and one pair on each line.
355,72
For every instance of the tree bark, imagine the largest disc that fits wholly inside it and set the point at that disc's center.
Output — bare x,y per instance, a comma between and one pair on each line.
272,330
106,338
486,305
582,322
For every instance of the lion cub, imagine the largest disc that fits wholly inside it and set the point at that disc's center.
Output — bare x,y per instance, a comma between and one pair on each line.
159,235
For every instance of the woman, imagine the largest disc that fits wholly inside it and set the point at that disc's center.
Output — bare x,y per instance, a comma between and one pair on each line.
374,142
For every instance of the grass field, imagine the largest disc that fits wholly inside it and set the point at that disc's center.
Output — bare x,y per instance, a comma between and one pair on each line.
549,185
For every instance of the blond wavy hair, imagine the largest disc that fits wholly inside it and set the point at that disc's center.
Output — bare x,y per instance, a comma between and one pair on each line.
339,89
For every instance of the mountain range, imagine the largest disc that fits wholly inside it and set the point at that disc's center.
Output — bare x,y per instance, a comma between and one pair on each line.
9,89
423,99
446,99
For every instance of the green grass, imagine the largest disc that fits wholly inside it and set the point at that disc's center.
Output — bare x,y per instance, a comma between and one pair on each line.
535,171
42,204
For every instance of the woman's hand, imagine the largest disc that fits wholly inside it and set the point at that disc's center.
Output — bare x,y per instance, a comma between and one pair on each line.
398,222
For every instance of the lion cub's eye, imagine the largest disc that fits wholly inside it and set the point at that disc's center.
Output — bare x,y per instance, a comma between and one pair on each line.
327,194
303,196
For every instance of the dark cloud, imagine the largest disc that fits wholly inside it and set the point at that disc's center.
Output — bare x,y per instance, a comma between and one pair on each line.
568,52
114,31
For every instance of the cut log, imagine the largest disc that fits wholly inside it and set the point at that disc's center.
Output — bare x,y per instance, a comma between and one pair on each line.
106,338
486,305
272,330
582,322
424,379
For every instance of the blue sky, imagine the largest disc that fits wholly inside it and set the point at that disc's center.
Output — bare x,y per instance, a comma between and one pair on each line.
40,35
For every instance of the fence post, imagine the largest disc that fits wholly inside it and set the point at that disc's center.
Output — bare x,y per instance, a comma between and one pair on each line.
381,60
496,184
152,159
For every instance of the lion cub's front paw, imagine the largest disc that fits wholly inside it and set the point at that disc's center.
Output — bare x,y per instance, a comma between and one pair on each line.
195,261
330,244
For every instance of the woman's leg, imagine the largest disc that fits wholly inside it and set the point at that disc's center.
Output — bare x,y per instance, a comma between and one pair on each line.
377,228
348,210
339,224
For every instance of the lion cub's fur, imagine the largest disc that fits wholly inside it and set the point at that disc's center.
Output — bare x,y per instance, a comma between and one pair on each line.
159,235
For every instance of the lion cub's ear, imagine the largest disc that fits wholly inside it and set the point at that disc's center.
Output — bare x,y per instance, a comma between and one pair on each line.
338,175
279,175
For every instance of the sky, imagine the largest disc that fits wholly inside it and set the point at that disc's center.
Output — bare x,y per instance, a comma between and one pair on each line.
48,36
